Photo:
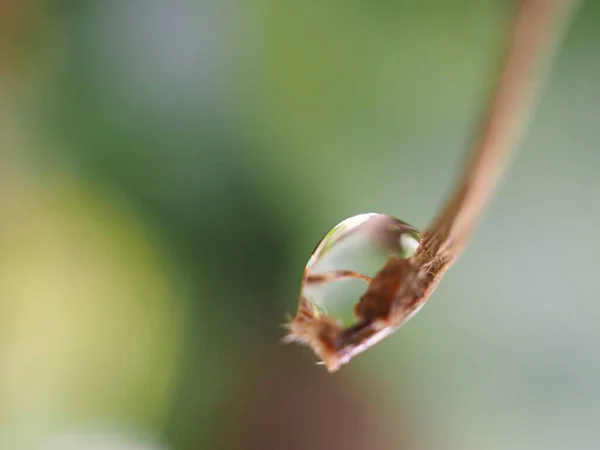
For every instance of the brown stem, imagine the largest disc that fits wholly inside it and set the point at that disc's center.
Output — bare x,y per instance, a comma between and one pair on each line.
402,286
535,28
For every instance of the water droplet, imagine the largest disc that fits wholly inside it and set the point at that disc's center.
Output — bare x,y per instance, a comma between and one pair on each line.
341,267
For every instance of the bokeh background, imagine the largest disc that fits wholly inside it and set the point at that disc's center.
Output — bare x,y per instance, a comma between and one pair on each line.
166,167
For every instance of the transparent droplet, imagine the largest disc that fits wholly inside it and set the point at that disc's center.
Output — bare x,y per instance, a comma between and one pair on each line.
339,270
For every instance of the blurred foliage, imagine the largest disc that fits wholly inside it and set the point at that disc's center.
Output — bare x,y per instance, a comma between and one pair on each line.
166,167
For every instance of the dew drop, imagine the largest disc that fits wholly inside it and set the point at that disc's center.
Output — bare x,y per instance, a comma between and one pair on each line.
339,270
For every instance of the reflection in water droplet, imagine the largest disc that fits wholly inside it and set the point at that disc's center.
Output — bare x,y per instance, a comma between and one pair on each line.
340,268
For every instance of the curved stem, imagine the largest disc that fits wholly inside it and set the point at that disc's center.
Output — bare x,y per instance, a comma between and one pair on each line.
536,27
402,286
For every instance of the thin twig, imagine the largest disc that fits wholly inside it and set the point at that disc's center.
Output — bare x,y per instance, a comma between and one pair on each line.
403,286
536,28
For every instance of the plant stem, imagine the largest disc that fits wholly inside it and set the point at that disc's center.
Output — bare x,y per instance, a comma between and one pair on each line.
537,25
402,286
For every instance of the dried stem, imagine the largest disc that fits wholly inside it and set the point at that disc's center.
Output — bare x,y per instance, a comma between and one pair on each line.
536,27
402,286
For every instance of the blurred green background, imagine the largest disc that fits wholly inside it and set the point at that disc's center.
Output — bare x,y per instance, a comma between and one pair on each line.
166,167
